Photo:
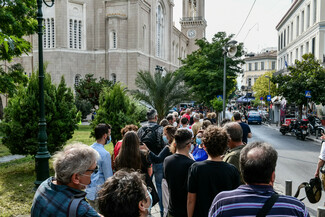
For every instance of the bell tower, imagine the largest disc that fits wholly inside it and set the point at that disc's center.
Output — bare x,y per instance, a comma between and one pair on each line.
193,23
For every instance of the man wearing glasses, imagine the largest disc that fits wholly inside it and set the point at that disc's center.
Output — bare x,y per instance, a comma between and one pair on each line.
103,137
73,168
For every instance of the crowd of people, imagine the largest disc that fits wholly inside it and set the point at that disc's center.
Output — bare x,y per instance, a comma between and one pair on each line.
200,169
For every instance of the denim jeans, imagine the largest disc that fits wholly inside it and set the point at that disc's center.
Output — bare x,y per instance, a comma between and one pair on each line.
158,170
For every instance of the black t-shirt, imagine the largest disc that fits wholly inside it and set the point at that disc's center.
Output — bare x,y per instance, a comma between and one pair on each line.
246,131
207,179
176,170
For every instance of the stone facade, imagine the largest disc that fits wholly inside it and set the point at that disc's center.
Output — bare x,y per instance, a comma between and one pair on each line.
114,39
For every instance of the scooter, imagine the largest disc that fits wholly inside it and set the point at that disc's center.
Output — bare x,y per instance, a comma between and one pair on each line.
315,126
297,128
302,129
288,127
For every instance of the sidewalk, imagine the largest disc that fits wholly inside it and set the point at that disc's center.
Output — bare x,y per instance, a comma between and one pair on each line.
309,137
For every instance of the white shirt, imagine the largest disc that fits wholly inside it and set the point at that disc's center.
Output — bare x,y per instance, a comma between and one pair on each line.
322,152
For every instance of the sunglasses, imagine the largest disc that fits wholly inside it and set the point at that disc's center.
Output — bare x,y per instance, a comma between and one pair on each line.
94,170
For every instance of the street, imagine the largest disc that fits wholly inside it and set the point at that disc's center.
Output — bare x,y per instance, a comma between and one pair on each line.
297,160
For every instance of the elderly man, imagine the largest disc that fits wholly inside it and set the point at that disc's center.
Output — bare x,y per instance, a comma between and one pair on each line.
235,143
197,124
257,163
57,196
125,194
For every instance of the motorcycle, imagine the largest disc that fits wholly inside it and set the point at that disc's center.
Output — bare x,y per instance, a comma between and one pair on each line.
302,129
297,128
315,126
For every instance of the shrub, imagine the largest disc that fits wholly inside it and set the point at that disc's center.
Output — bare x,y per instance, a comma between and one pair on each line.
83,106
20,124
117,109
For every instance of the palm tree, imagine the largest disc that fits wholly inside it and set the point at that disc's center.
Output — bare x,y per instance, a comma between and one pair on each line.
161,91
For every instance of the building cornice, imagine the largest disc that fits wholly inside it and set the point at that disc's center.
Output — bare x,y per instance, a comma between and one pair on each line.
288,13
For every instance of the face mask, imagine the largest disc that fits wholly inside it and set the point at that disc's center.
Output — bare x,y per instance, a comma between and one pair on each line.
198,141
149,208
192,147
165,139
108,141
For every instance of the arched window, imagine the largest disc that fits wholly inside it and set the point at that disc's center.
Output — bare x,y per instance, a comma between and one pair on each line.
77,80
113,40
113,78
159,30
75,34
49,33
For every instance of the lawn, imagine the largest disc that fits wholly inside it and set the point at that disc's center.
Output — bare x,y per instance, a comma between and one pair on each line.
18,176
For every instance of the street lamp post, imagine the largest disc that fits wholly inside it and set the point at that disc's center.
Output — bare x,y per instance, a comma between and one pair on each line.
229,50
42,156
269,95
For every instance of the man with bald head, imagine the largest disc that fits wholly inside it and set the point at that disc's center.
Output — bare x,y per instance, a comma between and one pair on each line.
257,164
235,143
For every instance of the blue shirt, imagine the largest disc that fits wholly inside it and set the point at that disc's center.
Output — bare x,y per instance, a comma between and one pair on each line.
104,171
247,200
53,200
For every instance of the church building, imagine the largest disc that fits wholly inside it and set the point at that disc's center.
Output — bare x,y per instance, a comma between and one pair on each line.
114,39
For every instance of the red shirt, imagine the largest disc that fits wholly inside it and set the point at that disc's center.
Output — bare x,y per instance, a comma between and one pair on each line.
117,148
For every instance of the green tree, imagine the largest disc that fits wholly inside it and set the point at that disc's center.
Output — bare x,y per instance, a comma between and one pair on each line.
203,69
17,19
307,74
89,89
217,105
261,86
83,106
160,91
10,81
117,109
20,124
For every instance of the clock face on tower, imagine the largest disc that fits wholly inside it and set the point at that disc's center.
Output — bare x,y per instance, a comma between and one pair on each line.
191,33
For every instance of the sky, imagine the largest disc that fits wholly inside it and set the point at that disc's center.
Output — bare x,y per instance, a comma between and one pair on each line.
229,15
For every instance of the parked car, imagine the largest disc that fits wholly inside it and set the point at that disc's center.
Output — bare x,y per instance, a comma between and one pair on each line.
254,117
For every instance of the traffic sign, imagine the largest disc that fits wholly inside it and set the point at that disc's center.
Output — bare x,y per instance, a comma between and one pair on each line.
220,96
307,93
268,98
261,98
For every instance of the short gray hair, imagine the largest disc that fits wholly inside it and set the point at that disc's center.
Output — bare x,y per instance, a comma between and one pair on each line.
234,130
196,116
151,114
74,158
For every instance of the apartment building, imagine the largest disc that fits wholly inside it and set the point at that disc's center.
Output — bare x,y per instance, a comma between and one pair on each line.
301,31
257,65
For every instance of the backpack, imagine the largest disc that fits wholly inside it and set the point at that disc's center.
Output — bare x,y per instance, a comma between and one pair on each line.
313,190
151,139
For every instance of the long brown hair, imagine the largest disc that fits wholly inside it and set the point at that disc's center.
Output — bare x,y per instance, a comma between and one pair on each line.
170,131
129,156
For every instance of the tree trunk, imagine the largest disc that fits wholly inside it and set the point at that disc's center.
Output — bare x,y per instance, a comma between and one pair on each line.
1,109
299,112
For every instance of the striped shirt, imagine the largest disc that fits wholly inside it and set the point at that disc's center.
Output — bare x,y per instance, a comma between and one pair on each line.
247,200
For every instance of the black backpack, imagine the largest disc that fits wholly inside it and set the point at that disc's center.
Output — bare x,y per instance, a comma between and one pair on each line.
313,190
151,139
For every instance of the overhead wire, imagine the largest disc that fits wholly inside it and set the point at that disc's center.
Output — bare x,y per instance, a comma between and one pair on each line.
246,19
